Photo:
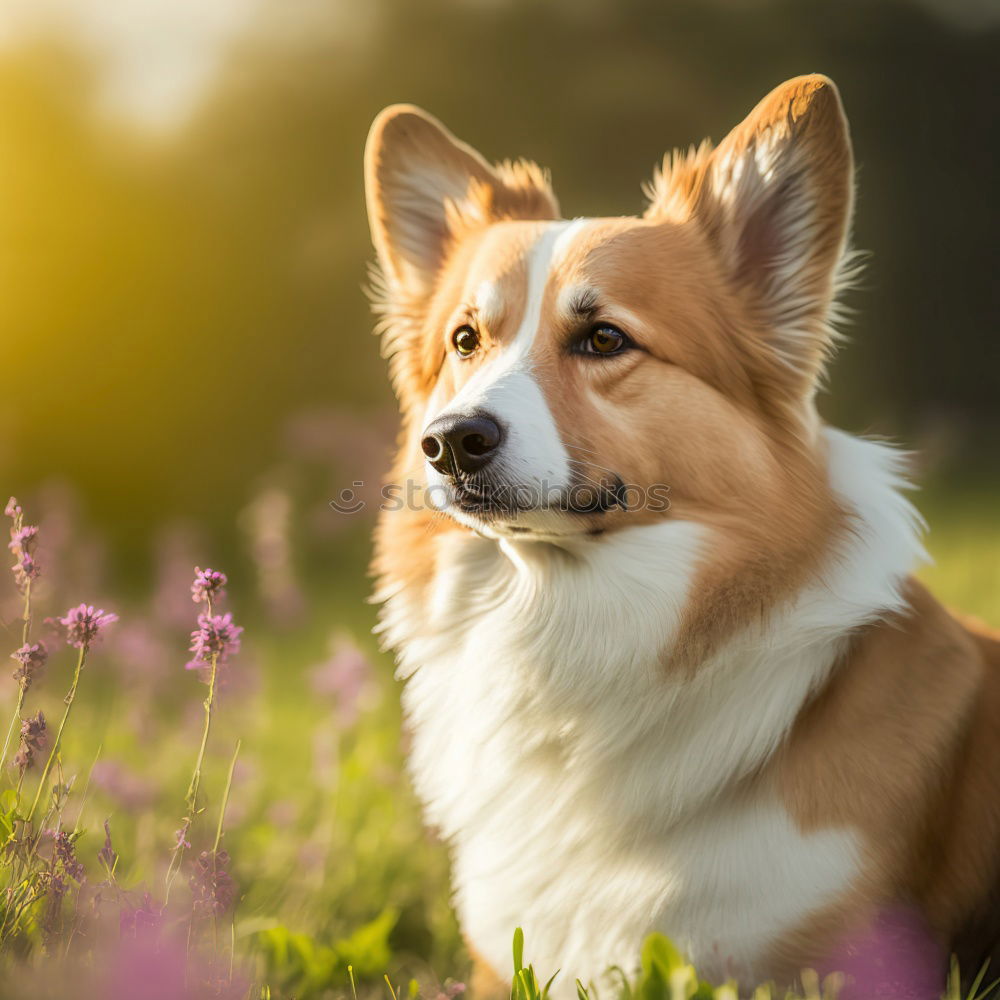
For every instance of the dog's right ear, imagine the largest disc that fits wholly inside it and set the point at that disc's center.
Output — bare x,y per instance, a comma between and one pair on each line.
424,187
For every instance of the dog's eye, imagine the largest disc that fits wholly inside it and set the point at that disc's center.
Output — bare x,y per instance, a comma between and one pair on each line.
604,339
466,340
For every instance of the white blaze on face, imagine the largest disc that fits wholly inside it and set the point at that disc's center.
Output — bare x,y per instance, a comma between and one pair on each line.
532,454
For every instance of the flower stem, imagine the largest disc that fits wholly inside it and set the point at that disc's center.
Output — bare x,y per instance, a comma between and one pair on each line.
26,614
70,698
16,718
25,632
215,848
191,799
225,798
195,786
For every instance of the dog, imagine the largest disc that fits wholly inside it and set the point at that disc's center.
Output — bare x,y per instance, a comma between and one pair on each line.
666,664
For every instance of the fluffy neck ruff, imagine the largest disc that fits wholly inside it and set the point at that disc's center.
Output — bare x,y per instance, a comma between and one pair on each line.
528,656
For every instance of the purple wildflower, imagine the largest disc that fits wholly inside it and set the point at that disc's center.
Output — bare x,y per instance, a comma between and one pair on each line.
346,676
181,836
140,646
23,539
213,887
450,990
25,570
128,788
216,636
64,855
207,586
107,855
268,521
895,955
140,921
32,741
83,624
53,885
31,659
176,549
283,813
64,865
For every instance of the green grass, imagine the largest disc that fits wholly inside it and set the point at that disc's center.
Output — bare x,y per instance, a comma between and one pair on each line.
964,543
334,867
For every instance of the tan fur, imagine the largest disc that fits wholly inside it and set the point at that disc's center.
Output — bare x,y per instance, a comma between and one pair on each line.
808,111
903,745
486,983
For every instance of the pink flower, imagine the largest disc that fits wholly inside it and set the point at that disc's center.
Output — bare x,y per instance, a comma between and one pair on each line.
23,539
344,676
107,855
83,624
894,956
215,636
144,921
176,549
141,651
147,964
64,855
129,789
32,661
212,886
208,584
25,569
32,741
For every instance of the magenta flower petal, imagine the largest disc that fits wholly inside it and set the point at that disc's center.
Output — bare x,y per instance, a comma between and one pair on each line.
216,635
31,659
208,585
84,624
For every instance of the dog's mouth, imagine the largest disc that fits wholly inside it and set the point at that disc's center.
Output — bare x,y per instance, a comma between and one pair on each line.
477,500
490,500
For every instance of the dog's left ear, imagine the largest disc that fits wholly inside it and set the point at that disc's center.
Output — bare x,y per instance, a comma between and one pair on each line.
775,200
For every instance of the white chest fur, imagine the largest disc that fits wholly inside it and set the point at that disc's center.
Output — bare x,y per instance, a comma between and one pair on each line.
578,784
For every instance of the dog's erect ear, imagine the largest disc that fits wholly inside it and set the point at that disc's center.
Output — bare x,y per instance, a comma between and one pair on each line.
424,187
775,199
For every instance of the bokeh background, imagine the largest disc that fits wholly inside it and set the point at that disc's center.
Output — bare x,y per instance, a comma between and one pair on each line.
183,238
190,374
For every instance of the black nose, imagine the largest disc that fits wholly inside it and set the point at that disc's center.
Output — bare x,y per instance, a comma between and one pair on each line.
461,444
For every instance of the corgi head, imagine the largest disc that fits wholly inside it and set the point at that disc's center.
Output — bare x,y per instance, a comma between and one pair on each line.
566,378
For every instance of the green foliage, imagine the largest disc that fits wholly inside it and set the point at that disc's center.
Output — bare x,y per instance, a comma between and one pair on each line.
298,963
524,985
8,813
665,974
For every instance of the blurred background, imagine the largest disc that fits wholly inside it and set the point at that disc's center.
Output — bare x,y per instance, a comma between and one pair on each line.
191,376
183,238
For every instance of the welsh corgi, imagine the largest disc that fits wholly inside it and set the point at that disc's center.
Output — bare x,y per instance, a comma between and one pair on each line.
666,665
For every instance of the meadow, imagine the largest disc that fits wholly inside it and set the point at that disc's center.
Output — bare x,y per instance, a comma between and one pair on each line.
278,852
182,244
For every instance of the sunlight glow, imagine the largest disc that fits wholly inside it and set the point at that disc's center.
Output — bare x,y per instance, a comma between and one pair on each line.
155,57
